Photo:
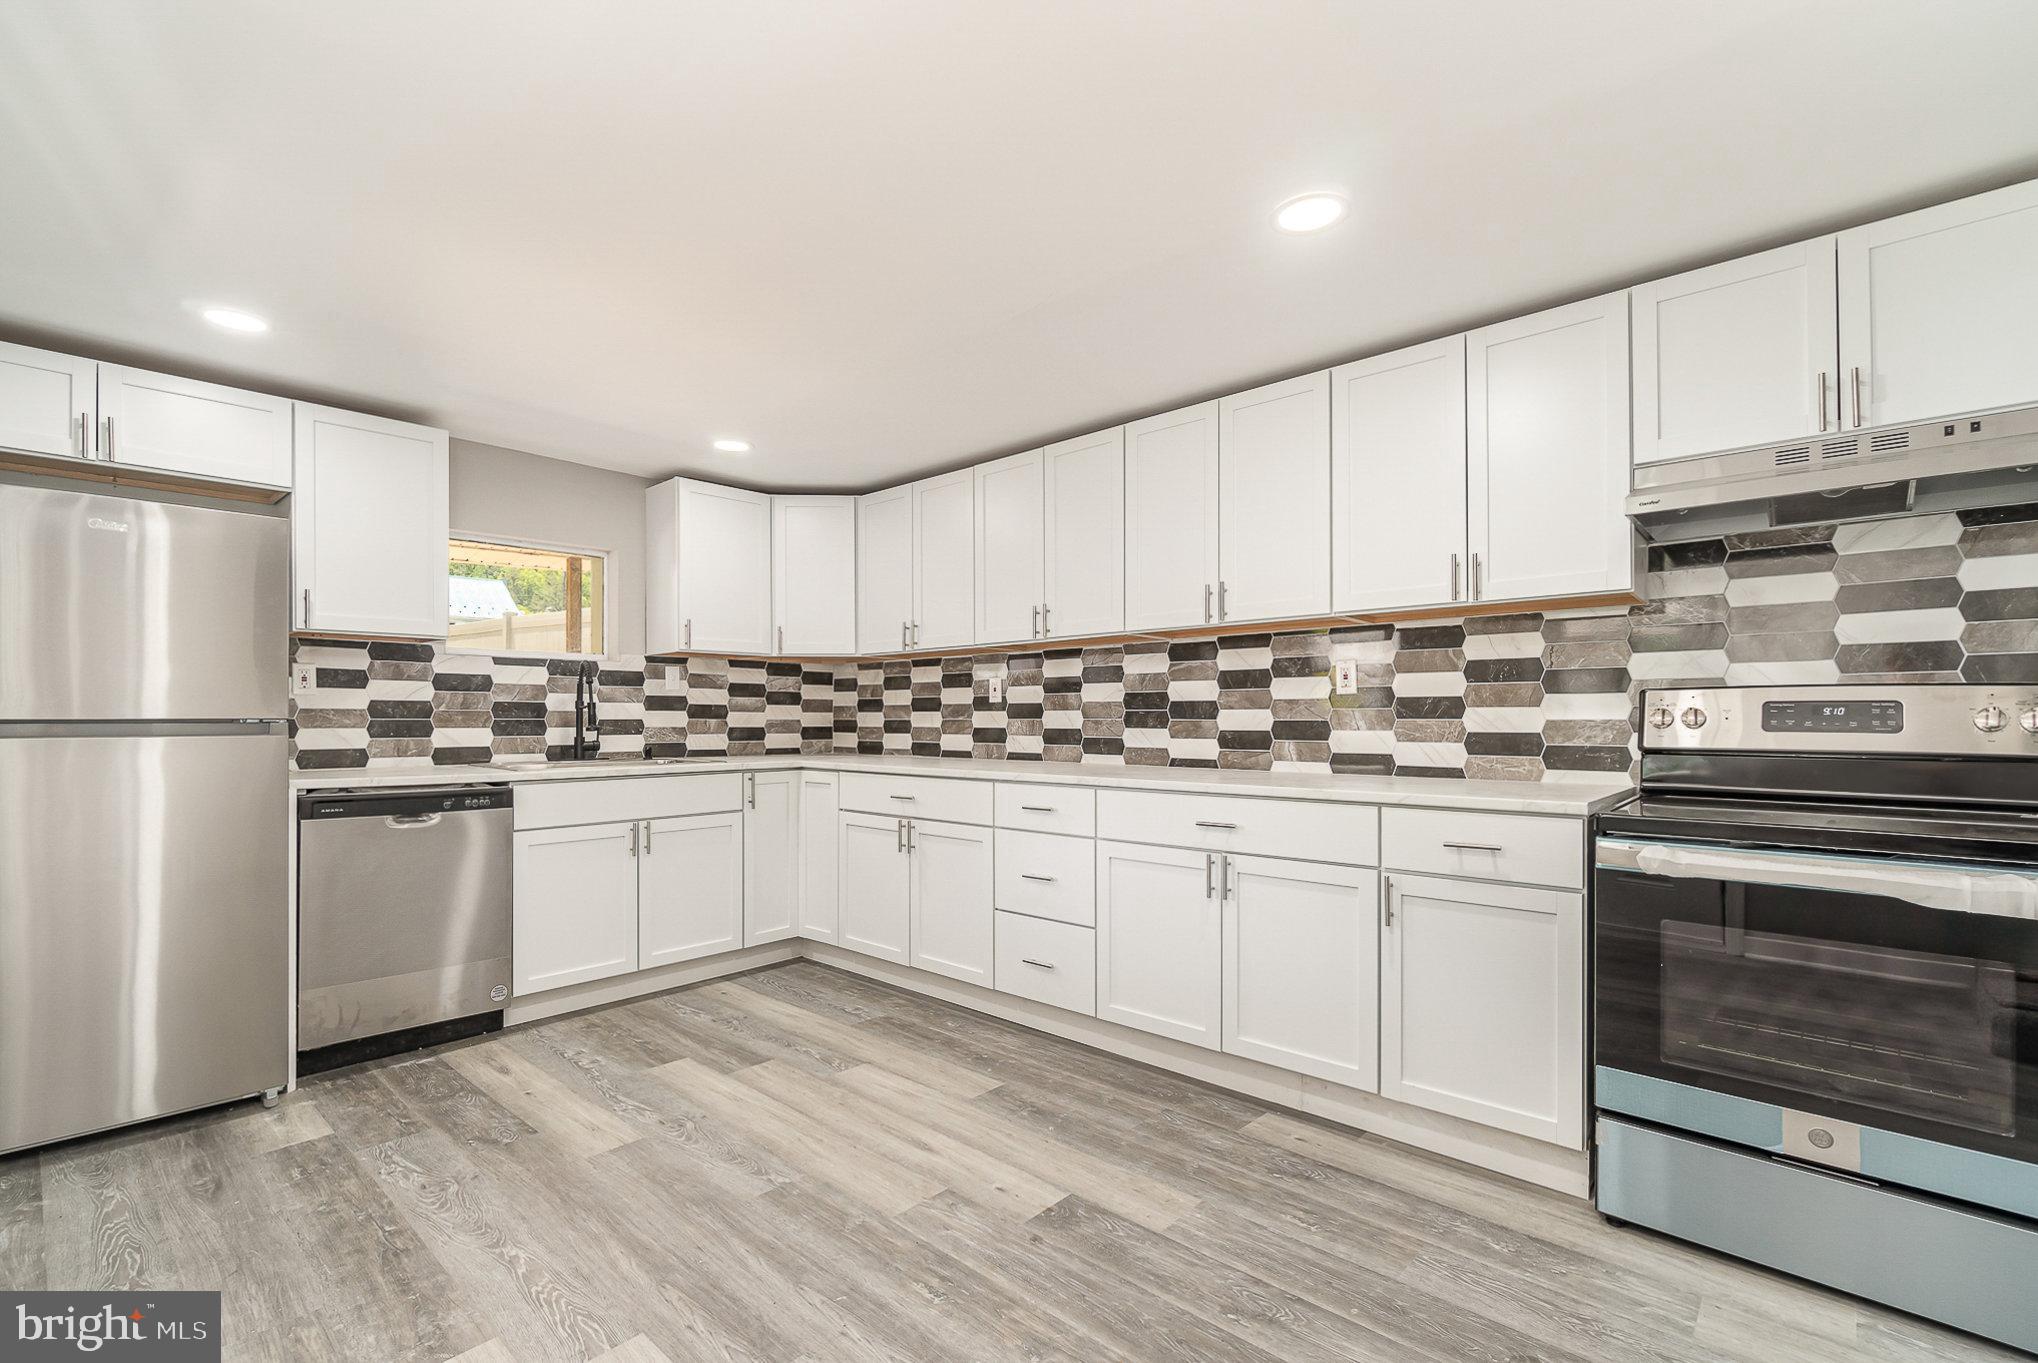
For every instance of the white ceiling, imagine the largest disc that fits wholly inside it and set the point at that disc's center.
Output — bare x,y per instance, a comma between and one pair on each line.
885,237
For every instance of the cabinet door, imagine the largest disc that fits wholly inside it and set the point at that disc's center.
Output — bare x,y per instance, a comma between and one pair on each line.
1171,519
1939,310
1548,439
49,402
574,905
1740,353
819,853
689,888
944,560
771,856
874,915
1482,1004
1011,545
1160,941
368,525
951,869
884,570
1085,534
1274,501
159,421
1397,507
724,569
1302,967
813,574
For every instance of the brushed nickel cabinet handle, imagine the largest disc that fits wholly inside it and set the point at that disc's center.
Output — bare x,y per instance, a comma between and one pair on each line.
750,789
1474,847
1222,588
1820,384
1038,809
1212,823
1857,395
1228,880
307,608
1046,620
106,445
1454,577
634,829
1028,875
1387,901
902,797
903,628
1209,888
84,435
1044,965
1206,603
781,638
689,633
1477,587
902,836
1036,622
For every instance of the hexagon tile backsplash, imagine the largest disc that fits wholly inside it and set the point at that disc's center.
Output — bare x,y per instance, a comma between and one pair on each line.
1521,697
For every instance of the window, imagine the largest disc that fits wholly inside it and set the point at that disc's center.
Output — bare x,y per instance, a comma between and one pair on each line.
515,598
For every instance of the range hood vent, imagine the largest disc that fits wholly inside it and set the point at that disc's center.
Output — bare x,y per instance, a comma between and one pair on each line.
1951,465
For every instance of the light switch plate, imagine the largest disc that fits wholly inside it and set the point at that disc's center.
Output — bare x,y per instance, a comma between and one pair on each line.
997,689
303,679
1345,679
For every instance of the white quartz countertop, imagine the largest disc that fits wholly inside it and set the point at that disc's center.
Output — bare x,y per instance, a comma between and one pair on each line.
1575,797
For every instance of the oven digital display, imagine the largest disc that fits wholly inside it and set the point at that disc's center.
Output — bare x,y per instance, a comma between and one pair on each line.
1833,716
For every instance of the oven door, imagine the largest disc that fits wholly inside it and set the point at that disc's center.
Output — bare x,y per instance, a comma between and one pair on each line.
1862,1012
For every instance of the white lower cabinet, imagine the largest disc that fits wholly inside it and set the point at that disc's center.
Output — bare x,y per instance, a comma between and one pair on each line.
1050,963
771,856
1482,1004
575,897
689,888
1302,967
819,802
874,889
950,867
1159,942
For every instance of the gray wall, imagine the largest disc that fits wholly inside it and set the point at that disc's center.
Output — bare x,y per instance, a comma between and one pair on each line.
519,496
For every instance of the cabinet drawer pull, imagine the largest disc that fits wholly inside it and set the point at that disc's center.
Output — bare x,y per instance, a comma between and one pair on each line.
1028,875
1044,965
1038,809
1214,823
1474,847
901,797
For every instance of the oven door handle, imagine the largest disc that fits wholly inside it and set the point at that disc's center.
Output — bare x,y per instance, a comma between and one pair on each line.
1996,891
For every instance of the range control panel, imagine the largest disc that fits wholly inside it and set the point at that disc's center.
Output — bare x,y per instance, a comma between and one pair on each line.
1953,719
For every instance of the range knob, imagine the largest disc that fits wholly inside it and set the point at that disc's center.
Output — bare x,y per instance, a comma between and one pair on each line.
2029,719
1693,717
1990,719
1662,717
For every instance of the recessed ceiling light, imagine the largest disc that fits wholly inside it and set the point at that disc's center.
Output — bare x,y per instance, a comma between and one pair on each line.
1311,212
733,446
233,319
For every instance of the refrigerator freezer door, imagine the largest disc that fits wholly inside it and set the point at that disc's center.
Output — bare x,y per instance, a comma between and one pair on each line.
144,924
115,608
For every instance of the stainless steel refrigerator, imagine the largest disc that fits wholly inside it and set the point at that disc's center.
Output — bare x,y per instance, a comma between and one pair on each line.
144,813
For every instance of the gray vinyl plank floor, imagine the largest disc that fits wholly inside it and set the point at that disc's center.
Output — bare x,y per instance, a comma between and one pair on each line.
802,1165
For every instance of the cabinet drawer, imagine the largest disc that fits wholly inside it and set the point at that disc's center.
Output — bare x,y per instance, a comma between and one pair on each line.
1047,875
917,797
1527,849
1051,963
1228,823
1048,809
557,804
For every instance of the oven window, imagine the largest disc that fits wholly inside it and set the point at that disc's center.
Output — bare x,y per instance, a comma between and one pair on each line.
1902,1031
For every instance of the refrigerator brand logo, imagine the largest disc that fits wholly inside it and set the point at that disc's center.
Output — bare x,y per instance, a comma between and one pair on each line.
101,523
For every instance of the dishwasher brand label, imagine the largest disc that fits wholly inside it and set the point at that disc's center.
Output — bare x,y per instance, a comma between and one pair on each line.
168,1327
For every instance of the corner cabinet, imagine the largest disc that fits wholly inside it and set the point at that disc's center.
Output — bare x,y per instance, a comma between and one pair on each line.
368,525
1482,1003
1548,467
813,575
707,584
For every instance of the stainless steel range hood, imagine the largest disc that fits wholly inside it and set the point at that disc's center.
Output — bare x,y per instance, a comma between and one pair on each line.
1948,465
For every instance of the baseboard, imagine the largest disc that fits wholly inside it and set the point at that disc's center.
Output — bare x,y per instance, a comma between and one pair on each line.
574,997
1501,1152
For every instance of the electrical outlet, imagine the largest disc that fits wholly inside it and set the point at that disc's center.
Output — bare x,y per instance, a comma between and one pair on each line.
303,679
1345,679
997,685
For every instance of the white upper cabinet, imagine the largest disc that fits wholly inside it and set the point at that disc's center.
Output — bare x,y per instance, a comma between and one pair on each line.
49,403
884,570
813,574
1397,510
1085,481
1171,519
708,588
1547,399
944,560
1742,353
1011,547
368,525
204,430
1274,501
1939,310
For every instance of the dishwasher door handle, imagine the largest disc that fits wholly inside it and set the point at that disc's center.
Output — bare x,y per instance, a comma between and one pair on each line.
412,820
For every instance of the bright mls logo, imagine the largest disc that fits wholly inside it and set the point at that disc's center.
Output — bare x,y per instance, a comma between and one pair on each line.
170,1327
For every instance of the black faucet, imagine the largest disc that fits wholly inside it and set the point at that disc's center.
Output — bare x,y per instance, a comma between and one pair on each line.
586,718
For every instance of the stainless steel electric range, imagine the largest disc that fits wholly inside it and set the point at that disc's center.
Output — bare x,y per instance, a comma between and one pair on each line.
1815,990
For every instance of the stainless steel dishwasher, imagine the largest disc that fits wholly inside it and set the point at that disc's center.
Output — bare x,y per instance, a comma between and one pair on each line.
403,919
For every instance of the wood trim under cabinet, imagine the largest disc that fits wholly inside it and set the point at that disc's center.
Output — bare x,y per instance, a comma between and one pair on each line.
82,471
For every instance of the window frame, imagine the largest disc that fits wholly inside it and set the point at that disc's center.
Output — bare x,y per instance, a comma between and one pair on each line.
608,609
